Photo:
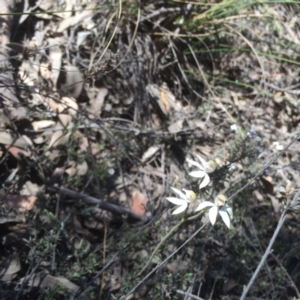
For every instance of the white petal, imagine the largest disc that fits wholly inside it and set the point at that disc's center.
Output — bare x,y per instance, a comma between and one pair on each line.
204,182
204,205
229,210
180,209
178,192
194,163
176,201
197,174
203,161
212,214
225,217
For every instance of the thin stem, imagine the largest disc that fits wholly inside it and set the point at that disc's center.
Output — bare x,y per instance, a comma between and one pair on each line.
268,250
166,237
159,244
163,262
265,167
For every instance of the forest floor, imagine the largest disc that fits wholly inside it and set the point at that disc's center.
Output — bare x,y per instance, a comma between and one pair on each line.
102,103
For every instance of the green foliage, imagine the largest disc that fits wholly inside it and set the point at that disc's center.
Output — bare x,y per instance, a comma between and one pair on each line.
41,247
54,292
85,264
101,170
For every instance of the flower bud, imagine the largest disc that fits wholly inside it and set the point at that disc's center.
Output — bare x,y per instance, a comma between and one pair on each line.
210,166
220,200
190,195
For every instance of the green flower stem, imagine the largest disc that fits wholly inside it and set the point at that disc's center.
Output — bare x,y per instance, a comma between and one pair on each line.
166,237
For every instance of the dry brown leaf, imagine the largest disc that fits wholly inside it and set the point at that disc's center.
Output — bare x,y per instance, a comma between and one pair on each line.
18,153
11,139
114,283
82,168
14,113
278,97
257,194
46,5
58,138
83,147
275,203
155,93
37,99
62,9
3,118
55,56
37,125
70,104
176,126
97,103
10,219
30,188
12,175
46,73
149,153
166,101
18,202
77,18
52,103
9,267
81,38
139,202
229,284
26,12
177,265
71,168
39,140
58,172
71,171
28,140
65,11
74,81
268,184
65,120
48,281
65,103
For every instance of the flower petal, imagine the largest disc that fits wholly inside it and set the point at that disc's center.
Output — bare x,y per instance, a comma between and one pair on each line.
204,205
203,161
197,174
180,209
176,201
225,217
178,192
204,182
194,163
228,210
212,214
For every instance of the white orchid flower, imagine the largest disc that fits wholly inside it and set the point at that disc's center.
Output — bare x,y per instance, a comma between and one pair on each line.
183,200
220,207
204,167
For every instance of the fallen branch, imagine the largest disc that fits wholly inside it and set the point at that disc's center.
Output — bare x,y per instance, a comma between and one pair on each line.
115,209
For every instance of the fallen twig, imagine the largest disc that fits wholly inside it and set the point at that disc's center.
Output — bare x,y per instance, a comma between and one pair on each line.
115,209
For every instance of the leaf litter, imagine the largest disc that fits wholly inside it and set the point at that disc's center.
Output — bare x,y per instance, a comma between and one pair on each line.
120,131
